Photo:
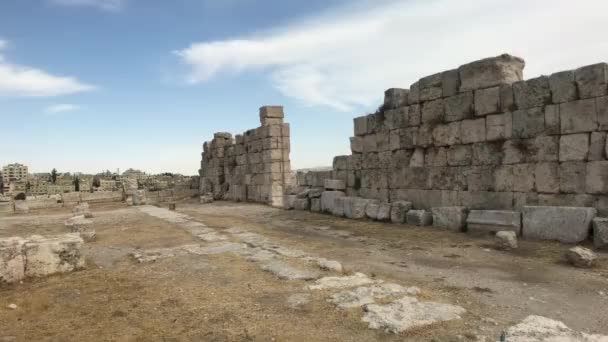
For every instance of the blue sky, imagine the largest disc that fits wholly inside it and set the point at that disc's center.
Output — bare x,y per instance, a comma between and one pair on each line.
88,85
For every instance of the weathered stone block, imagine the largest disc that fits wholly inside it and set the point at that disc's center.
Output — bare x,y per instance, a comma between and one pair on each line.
486,200
602,112
547,177
53,254
414,95
446,135
532,93
395,98
459,155
572,177
597,146
354,207
370,143
563,87
450,81
499,127
417,159
430,87
399,210
432,112
301,204
487,101
592,80
564,224
523,176
573,147
315,205
528,123
459,107
494,221
384,212
452,218
424,136
338,207
21,207
12,260
334,184
552,120
420,218
578,116
408,178
473,131
600,233
597,177
517,151
491,72
480,178
436,157
360,125
507,99
328,199
413,115
487,154
371,210
562,200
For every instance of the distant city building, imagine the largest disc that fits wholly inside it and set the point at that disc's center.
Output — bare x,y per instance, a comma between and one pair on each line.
13,173
132,173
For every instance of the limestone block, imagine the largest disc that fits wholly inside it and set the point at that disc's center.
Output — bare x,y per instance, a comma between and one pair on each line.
399,210
431,87
370,143
417,159
499,127
450,80
436,157
12,260
547,177
340,163
414,95
290,201
424,136
572,177
600,233
480,178
487,101
328,200
564,224
356,144
371,210
602,112
563,200
420,218
563,87
414,113
592,80
506,240
301,204
597,146
516,151
354,207
552,120
523,176
384,212
395,118
207,198
82,209
507,99
338,206
452,218
394,139
601,204
78,224
432,112
382,141
543,148
487,154
580,257
445,178
21,207
494,221
315,192
574,147
459,155
408,178
448,134
578,116
528,123
459,107
597,177
360,125
370,161
53,254
372,123
395,98
315,205
491,72
486,200
353,163
532,93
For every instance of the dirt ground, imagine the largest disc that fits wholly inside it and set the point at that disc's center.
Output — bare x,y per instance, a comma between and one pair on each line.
224,297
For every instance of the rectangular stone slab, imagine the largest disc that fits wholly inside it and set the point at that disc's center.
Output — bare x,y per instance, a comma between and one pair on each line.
564,224
494,221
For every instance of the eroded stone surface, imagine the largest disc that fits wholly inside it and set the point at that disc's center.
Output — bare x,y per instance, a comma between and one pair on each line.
53,254
288,272
12,260
358,279
538,329
368,295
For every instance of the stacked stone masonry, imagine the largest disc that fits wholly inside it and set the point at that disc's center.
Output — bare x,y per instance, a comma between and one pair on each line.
253,166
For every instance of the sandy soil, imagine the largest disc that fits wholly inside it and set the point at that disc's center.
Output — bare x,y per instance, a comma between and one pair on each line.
223,297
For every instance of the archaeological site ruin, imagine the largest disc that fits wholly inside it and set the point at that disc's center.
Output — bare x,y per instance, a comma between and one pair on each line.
473,207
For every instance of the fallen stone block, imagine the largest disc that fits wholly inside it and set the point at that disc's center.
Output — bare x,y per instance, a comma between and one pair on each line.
399,211
357,279
600,233
328,200
354,207
371,210
207,198
82,209
506,240
407,313
538,329
419,218
564,224
384,212
53,254
287,272
368,295
22,207
79,224
490,72
494,221
452,218
139,197
12,260
335,184
581,257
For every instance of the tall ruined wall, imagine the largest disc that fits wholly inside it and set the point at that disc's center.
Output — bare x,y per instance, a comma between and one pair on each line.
481,137
253,166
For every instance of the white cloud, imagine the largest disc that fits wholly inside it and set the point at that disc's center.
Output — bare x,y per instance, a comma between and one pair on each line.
17,80
107,5
61,108
346,58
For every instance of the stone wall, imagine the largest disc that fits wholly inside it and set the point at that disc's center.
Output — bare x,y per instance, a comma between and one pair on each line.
481,137
253,166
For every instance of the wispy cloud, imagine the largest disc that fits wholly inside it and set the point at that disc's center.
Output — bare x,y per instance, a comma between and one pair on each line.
345,58
106,5
18,80
61,108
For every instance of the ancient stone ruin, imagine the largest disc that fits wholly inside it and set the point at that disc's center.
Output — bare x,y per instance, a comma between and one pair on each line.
253,166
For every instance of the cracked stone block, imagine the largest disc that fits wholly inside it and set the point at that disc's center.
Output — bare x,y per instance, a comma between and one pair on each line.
370,143
592,80
399,210
563,87
487,101
53,254
334,185
578,116
499,127
459,155
564,224
573,147
328,199
431,87
12,260
420,218
572,177
597,177
532,93
473,131
436,157
356,144
547,177
528,123
490,72
384,212
452,218
494,221
354,207
395,98
432,112
459,107
600,233
446,135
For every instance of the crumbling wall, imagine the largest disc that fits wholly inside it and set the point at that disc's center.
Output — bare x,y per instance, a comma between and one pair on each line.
481,137
253,166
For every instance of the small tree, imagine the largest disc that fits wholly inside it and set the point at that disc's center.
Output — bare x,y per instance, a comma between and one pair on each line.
54,176
77,184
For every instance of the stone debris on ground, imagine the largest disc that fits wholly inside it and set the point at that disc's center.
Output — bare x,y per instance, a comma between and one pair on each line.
358,279
12,306
82,209
83,226
288,272
327,265
368,295
581,257
211,237
46,255
539,329
298,300
407,313
506,240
